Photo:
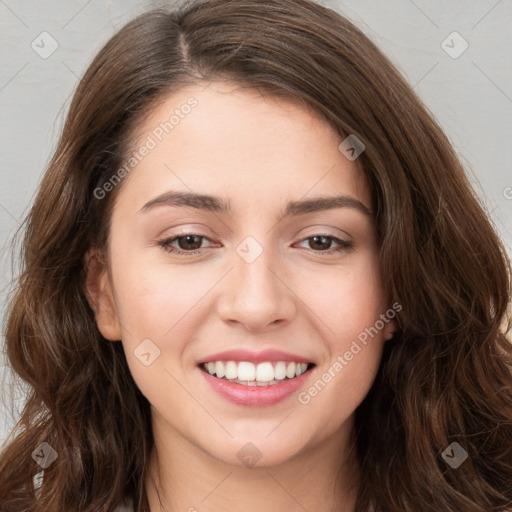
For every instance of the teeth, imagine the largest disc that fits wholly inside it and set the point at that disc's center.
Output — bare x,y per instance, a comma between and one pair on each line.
246,371
219,369
231,370
290,370
250,374
280,370
265,372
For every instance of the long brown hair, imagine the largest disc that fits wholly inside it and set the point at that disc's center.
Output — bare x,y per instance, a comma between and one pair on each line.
444,378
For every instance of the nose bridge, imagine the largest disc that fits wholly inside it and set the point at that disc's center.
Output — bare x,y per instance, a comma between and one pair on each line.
257,278
256,294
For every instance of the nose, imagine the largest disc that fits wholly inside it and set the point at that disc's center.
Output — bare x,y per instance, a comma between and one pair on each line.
257,295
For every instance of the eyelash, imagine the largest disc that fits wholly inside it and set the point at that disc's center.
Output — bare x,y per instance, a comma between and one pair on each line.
343,245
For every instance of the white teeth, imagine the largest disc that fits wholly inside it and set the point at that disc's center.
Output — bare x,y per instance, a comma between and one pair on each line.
250,374
231,370
219,369
246,371
301,368
280,370
290,370
264,372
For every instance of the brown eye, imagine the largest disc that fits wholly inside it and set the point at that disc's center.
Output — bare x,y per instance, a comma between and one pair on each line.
322,244
189,243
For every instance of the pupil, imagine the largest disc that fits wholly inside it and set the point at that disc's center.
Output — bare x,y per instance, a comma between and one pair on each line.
325,244
189,240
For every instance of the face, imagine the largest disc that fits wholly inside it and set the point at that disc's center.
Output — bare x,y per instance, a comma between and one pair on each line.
285,283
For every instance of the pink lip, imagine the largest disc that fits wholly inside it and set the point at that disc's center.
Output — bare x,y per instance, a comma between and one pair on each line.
255,396
255,357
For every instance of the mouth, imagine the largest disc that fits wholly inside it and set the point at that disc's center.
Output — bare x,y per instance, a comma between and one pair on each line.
255,379
262,374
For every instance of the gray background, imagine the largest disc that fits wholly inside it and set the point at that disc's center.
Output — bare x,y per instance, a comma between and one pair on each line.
471,95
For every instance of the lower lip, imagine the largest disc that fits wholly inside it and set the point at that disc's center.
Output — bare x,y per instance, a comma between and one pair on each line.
255,396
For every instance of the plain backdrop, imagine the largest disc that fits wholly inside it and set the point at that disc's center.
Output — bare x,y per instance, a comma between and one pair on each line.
455,53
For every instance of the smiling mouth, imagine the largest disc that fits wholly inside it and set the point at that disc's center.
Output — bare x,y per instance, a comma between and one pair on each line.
263,374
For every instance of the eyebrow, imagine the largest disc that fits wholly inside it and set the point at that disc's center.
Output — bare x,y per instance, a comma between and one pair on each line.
217,204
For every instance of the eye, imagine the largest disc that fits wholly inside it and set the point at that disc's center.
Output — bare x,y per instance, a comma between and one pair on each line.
192,243
321,243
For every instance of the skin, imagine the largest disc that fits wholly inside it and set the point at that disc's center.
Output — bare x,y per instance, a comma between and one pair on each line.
297,296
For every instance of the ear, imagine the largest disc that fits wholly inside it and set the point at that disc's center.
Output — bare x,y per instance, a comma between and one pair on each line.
389,330
100,296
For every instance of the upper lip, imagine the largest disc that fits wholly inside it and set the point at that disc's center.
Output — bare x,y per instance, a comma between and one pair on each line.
254,357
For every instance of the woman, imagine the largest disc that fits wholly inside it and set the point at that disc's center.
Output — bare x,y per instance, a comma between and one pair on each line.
256,277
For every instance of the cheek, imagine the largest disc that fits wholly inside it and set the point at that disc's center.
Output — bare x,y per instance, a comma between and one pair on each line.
155,310
153,298
346,300
349,304
340,386
344,378
158,307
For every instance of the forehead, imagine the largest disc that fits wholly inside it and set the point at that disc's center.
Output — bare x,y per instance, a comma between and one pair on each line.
223,140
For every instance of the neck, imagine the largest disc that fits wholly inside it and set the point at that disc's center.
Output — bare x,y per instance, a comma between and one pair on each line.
181,476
